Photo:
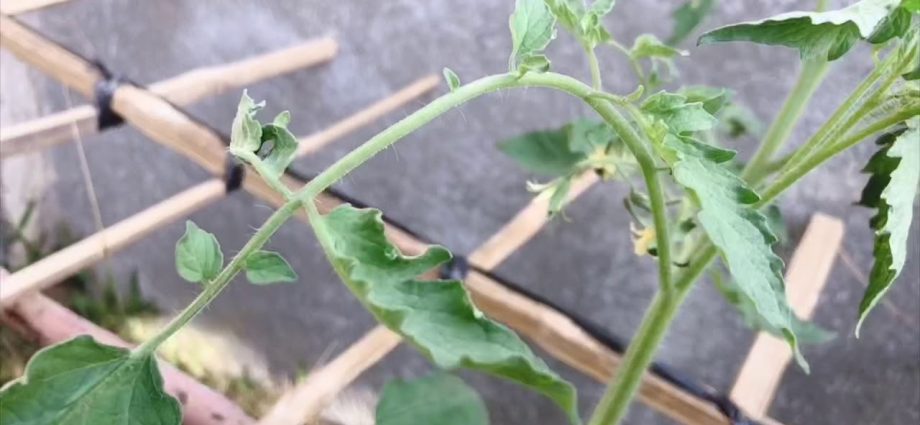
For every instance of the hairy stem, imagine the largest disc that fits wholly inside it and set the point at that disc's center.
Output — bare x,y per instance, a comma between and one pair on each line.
596,82
256,163
639,356
846,116
788,178
810,77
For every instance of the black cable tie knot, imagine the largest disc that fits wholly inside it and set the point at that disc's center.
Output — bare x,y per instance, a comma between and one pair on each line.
234,171
103,93
455,269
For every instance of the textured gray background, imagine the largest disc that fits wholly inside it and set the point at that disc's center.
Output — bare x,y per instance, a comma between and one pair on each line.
450,184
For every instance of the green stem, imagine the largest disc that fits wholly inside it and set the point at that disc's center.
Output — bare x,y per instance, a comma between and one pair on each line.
213,289
845,117
788,178
596,82
810,77
639,356
636,66
257,164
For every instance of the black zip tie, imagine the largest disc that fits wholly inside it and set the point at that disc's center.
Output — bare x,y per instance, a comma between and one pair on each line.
234,171
455,269
103,93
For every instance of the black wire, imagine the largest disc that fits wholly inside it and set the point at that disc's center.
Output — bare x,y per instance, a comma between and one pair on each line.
103,93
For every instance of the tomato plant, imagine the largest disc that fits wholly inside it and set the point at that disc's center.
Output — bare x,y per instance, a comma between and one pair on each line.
695,204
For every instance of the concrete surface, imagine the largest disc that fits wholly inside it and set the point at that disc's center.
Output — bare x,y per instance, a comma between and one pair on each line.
451,184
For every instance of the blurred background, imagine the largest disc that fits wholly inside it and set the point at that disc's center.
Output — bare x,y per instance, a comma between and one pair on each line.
449,183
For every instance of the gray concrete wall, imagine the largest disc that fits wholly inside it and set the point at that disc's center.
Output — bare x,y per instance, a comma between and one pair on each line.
451,184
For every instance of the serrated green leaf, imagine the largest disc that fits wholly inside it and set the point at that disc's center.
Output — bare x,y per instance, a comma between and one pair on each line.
648,46
546,153
533,26
442,399
570,150
265,267
602,7
687,18
714,99
588,136
736,121
678,114
453,81
806,332
246,132
568,13
821,34
586,24
283,146
282,119
912,6
437,317
740,232
198,255
83,382
777,224
892,190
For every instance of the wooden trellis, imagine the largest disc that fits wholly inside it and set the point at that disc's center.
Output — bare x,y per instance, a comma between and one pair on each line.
154,112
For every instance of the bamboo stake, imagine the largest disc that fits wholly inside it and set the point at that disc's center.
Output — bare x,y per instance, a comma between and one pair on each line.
58,266
762,371
15,7
47,131
54,323
151,115
52,59
182,90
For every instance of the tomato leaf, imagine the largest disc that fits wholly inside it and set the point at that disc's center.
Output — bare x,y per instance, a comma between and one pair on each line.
283,145
198,255
741,233
274,144
437,317
912,6
687,17
714,99
806,332
265,267
585,23
575,147
83,382
648,46
453,81
246,132
441,398
892,190
680,116
545,152
821,34
532,28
